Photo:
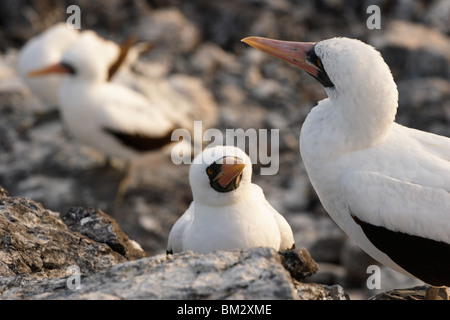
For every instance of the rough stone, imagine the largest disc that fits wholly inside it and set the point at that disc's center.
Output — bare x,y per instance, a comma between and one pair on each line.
254,273
35,241
98,226
201,39
38,251
314,291
299,263
413,293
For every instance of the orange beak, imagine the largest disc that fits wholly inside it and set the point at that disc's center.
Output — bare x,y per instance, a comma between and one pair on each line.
230,170
293,52
56,68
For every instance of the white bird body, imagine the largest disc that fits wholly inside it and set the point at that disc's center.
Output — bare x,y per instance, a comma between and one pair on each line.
230,227
240,218
128,116
88,109
48,48
387,186
43,50
398,175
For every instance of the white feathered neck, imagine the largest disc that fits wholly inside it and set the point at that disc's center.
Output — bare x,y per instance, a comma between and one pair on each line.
361,106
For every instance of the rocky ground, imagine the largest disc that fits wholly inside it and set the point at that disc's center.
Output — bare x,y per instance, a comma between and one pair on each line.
84,254
40,161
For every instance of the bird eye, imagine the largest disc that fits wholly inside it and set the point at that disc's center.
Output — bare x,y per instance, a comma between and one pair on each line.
209,171
319,63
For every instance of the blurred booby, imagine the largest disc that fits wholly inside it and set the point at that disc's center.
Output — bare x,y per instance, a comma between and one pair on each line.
114,119
43,50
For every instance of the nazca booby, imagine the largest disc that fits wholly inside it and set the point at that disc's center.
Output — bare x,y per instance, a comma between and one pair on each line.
228,211
386,185
48,48
43,50
106,115
177,100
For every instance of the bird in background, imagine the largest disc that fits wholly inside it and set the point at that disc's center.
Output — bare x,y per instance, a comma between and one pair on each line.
106,115
228,211
48,47
386,185
42,50
174,102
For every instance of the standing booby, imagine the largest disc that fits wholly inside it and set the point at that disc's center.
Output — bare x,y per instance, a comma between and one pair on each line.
110,117
48,48
228,210
387,186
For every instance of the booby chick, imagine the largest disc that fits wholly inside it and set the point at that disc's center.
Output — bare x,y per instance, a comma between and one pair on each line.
228,211
110,117
386,185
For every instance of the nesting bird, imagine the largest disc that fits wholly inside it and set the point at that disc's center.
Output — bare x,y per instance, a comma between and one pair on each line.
387,186
228,211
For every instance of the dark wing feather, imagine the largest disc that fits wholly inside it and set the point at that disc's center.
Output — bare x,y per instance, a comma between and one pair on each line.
139,142
124,48
426,259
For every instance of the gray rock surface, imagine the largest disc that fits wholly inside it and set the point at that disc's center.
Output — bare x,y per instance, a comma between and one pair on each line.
414,293
221,275
35,241
98,226
237,274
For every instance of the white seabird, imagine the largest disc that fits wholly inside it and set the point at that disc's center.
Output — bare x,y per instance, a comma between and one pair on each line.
43,50
106,115
48,48
387,186
228,211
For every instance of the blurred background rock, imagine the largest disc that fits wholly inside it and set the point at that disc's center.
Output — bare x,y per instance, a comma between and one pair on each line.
201,38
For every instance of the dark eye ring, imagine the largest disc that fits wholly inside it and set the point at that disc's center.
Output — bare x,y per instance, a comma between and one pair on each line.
209,171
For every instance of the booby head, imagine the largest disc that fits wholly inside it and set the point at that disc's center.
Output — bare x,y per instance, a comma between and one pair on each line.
220,175
343,66
46,48
362,94
89,58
